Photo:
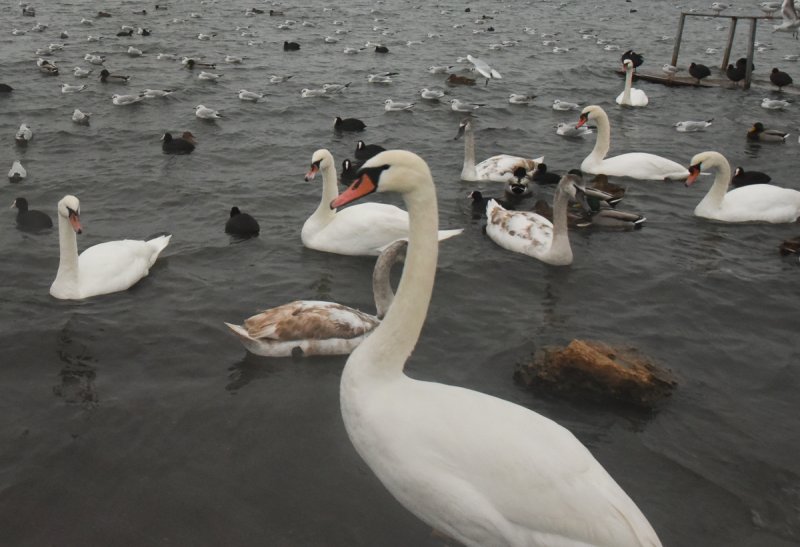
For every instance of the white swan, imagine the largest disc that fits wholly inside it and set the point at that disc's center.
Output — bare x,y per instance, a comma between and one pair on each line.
319,328
637,165
631,96
480,469
754,202
364,229
531,234
498,168
103,268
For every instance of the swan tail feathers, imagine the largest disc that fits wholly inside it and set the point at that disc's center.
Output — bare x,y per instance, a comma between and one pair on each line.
239,332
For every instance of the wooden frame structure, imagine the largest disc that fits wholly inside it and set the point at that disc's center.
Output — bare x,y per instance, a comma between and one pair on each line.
726,56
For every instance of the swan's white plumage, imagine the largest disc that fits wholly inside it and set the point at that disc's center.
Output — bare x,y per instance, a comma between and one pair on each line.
480,469
364,229
751,203
103,268
631,96
499,168
637,165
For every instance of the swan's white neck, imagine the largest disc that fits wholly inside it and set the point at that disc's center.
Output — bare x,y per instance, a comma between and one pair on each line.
716,194
626,95
324,214
603,141
382,356
468,172
559,247
67,276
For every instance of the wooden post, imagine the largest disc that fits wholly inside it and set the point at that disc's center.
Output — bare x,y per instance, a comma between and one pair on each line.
727,57
748,75
678,38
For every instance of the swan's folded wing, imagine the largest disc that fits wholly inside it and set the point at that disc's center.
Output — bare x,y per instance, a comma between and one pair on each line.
114,265
500,168
518,230
309,320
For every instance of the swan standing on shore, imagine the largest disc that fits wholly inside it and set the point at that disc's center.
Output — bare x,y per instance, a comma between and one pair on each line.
499,168
631,96
320,328
637,165
480,469
754,202
363,229
103,268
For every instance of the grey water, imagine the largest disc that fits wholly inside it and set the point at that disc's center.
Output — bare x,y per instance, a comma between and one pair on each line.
137,419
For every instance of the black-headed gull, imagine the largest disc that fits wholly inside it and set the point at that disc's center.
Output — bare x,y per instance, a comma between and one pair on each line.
457,105
569,130
205,113
565,105
381,77
774,104
250,95
123,100
691,126
483,68
79,72
24,134
156,93
518,98
208,76
135,52
81,118
395,106
791,21
431,94
307,93
66,88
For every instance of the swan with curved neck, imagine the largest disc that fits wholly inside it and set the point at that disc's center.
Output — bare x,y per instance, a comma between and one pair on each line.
480,469
637,165
631,96
499,168
320,328
751,203
532,234
103,268
363,229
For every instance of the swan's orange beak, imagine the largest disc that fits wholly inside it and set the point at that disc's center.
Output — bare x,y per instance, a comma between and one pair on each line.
75,220
362,186
583,119
313,171
694,172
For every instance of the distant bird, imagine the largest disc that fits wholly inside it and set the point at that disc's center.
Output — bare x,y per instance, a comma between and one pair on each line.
335,88
636,58
275,13
208,76
719,7
454,79
773,104
124,100
395,106
24,135
46,67
791,21
542,176
691,126
758,133
94,59
66,88
290,46
518,98
439,69
431,94
735,73
745,178
669,70
381,49
331,40
134,52
17,173
569,130
106,77
457,105
205,113
241,224
31,220
483,68
779,78
565,105
125,33
81,118
250,95
79,72
206,37
276,79
143,31
348,124
381,78
698,71
365,151
233,60
181,145
156,93
192,64
307,93
349,172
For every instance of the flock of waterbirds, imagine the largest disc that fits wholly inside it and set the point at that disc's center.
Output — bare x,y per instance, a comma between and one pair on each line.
439,468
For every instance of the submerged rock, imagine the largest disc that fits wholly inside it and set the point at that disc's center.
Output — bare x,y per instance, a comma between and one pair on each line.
594,369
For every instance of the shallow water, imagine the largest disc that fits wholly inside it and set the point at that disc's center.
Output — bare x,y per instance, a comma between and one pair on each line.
136,419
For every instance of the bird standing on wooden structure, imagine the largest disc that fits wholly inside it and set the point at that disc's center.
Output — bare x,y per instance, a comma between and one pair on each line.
770,7
699,71
735,74
791,21
718,7
779,78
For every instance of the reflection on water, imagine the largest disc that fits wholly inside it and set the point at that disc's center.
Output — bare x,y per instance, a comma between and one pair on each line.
77,376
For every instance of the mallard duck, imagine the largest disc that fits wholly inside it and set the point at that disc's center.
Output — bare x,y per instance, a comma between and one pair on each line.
758,133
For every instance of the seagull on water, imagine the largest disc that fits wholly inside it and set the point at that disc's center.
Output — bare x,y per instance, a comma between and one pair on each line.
208,76
381,78
565,105
569,130
250,95
774,104
431,94
395,106
81,118
457,105
691,126
156,93
307,93
123,100
66,88
484,69
79,72
518,98
205,113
